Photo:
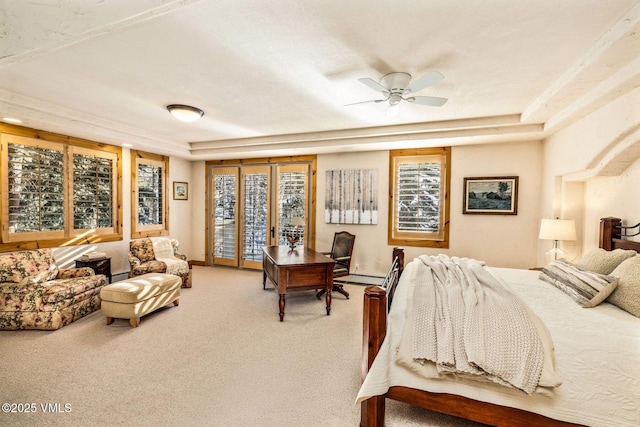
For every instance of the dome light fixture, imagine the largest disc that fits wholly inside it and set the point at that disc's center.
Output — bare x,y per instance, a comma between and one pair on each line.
185,113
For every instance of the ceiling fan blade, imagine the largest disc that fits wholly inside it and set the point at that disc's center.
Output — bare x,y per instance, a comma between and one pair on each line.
434,101
367,102
427,80
374,85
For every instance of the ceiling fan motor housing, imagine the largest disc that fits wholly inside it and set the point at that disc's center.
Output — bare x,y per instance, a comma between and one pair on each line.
395,82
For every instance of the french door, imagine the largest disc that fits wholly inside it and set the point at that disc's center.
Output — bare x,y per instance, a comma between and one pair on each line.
252,206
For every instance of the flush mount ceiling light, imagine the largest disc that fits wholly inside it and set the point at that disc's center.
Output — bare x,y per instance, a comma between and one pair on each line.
185,113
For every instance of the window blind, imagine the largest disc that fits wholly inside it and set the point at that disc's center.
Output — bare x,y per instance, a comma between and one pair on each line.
36,189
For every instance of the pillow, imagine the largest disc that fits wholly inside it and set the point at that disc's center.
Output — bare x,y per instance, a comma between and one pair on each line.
585,287
627,294
603,262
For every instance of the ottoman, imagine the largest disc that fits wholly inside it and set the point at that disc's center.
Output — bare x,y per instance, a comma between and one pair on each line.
140,295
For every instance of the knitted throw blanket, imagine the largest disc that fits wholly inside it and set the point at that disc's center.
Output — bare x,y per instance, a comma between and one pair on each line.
163,251
466,321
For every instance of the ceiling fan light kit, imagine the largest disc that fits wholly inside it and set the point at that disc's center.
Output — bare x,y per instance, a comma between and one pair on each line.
185,113
395,86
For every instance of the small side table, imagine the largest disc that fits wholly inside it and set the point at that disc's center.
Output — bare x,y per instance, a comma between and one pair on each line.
100,266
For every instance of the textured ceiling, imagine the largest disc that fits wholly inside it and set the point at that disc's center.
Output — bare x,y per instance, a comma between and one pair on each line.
273,77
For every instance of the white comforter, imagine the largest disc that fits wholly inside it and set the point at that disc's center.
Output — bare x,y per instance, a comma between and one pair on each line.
597,353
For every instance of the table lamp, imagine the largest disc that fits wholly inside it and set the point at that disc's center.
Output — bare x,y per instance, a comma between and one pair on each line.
556,230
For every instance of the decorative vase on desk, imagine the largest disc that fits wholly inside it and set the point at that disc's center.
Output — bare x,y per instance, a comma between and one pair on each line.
294,234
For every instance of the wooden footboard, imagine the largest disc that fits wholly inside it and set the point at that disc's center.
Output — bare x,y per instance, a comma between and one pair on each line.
374,329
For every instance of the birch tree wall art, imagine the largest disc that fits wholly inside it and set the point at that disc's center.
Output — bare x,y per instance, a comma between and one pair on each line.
351,196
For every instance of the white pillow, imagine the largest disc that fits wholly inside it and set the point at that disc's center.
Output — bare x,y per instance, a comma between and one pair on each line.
603,262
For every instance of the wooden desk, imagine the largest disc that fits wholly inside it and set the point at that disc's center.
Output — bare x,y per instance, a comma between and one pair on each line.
298,269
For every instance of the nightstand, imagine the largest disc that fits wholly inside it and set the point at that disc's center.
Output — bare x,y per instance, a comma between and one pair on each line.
100,266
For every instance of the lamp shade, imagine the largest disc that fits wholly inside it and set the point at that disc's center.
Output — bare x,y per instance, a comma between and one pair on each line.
557,229
185,113
297,221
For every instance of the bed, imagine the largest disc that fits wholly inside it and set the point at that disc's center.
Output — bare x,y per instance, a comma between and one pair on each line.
597,354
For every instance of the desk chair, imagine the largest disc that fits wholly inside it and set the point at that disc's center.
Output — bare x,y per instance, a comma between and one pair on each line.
341,252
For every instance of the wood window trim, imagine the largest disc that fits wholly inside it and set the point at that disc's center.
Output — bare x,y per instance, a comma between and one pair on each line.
138,231
442,242
8,132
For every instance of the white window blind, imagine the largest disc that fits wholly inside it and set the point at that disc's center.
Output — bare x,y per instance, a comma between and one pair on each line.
93,191
36,188
292,201
419,197
225,202
255,214
150,194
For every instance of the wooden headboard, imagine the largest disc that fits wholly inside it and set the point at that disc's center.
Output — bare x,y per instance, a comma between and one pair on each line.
613,235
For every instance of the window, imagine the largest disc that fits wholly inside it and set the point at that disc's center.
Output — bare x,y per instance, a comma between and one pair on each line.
93,189
293,197
149,202
58,192
419,197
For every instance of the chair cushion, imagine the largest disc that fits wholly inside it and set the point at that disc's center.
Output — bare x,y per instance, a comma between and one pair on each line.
142,249
140,288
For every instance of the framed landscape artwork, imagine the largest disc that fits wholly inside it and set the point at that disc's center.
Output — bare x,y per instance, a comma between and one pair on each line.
180,190
491,195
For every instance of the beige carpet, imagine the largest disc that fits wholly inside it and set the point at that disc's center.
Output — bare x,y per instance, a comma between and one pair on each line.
221,358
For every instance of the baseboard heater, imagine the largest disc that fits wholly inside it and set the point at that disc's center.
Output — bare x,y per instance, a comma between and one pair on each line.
360,279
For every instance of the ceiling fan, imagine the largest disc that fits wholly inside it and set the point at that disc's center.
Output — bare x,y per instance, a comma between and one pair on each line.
396,86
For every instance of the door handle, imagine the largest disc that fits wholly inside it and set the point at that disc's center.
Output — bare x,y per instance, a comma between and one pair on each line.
273,232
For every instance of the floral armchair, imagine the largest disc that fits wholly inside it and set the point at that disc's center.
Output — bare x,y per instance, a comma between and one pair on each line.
143,260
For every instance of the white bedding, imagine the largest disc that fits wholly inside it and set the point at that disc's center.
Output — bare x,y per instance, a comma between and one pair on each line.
597,355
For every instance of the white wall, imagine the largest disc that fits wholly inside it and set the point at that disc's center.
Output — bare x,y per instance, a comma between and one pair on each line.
500,240
572,158
370,251
198,219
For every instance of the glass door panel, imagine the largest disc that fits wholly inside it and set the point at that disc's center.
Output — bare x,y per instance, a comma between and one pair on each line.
256,214
293,201
225,216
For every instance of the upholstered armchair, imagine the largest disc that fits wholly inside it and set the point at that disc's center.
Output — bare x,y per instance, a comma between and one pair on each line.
143,260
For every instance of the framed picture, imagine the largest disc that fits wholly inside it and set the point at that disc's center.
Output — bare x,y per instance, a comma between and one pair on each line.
491,195
180,190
